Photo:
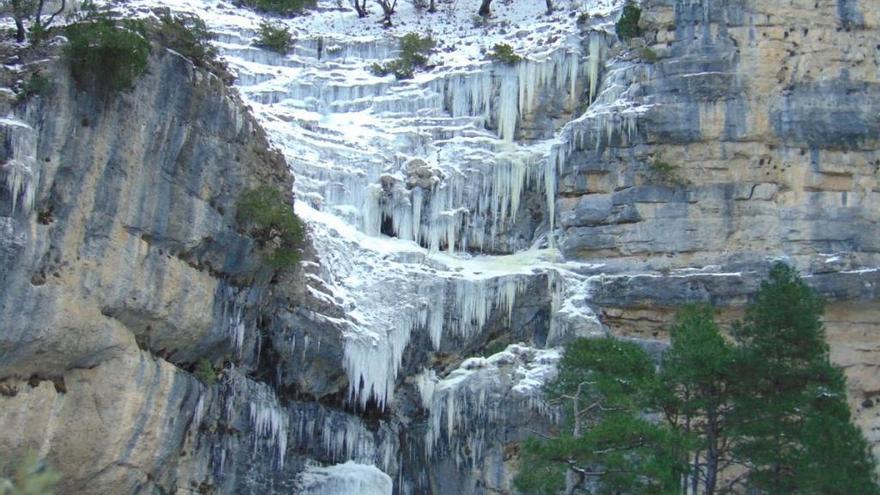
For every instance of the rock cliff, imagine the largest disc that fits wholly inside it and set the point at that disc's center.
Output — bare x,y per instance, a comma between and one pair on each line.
742,133
462,225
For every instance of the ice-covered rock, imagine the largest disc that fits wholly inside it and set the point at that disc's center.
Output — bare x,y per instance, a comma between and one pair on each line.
346,478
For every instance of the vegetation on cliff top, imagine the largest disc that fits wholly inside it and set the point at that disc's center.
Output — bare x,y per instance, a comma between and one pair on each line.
764,412
104,52
265,214
628,25
279,7
187,35
502,52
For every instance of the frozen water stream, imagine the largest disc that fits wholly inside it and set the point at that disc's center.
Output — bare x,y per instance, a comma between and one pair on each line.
405,184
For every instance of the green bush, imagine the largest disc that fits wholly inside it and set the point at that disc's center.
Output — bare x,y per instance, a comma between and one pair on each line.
648,55
282,7
104,52
36,85
187,35
414,52
502,52
628,25
275,37
204,371
666,172
31,477
265,215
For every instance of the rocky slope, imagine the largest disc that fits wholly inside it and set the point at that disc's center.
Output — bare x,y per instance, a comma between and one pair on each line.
462,226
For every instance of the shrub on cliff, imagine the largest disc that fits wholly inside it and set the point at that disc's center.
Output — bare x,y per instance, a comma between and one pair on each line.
31,477
36,85
502,52
205,372
275,37
264,214
628,25
281,7
414,52
105,52
186,34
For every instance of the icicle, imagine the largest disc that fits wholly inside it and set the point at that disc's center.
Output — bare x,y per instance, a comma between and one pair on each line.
468,402
22,170
199,412
269,423
594,62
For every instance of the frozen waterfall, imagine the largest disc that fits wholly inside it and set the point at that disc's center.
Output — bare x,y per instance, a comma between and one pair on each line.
431,204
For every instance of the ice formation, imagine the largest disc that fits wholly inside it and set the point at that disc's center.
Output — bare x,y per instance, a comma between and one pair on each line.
231,315
405,184
269,423
480,395
21,170
347,478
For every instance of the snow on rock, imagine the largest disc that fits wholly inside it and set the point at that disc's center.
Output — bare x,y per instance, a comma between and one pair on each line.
347,478
482,392
405,183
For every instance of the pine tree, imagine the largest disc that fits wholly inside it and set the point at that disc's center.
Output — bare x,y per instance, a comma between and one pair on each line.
695,393
792,421
608,443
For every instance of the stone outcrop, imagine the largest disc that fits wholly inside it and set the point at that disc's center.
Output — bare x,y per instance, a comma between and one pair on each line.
744,133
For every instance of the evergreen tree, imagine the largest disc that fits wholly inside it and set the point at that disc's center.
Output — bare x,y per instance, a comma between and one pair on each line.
695,393
771,404
792,421
608,444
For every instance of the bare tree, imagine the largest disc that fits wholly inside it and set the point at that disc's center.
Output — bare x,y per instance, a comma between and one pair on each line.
388,7
360,6
25,10
484,8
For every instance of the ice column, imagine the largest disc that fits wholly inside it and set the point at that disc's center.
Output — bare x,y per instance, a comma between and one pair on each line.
21,170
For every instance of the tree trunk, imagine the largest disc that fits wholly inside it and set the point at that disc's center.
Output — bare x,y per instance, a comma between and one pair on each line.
695,477
711,451
573,479
360,8
432,7
484,8
549,6
19,30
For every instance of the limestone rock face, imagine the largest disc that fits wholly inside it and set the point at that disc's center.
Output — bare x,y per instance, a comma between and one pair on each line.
754,136
123,266
113,428
146,347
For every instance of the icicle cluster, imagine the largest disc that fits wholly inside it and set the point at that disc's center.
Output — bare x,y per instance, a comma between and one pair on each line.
479,395
269,423
458,309
231,315
22,169
341,437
